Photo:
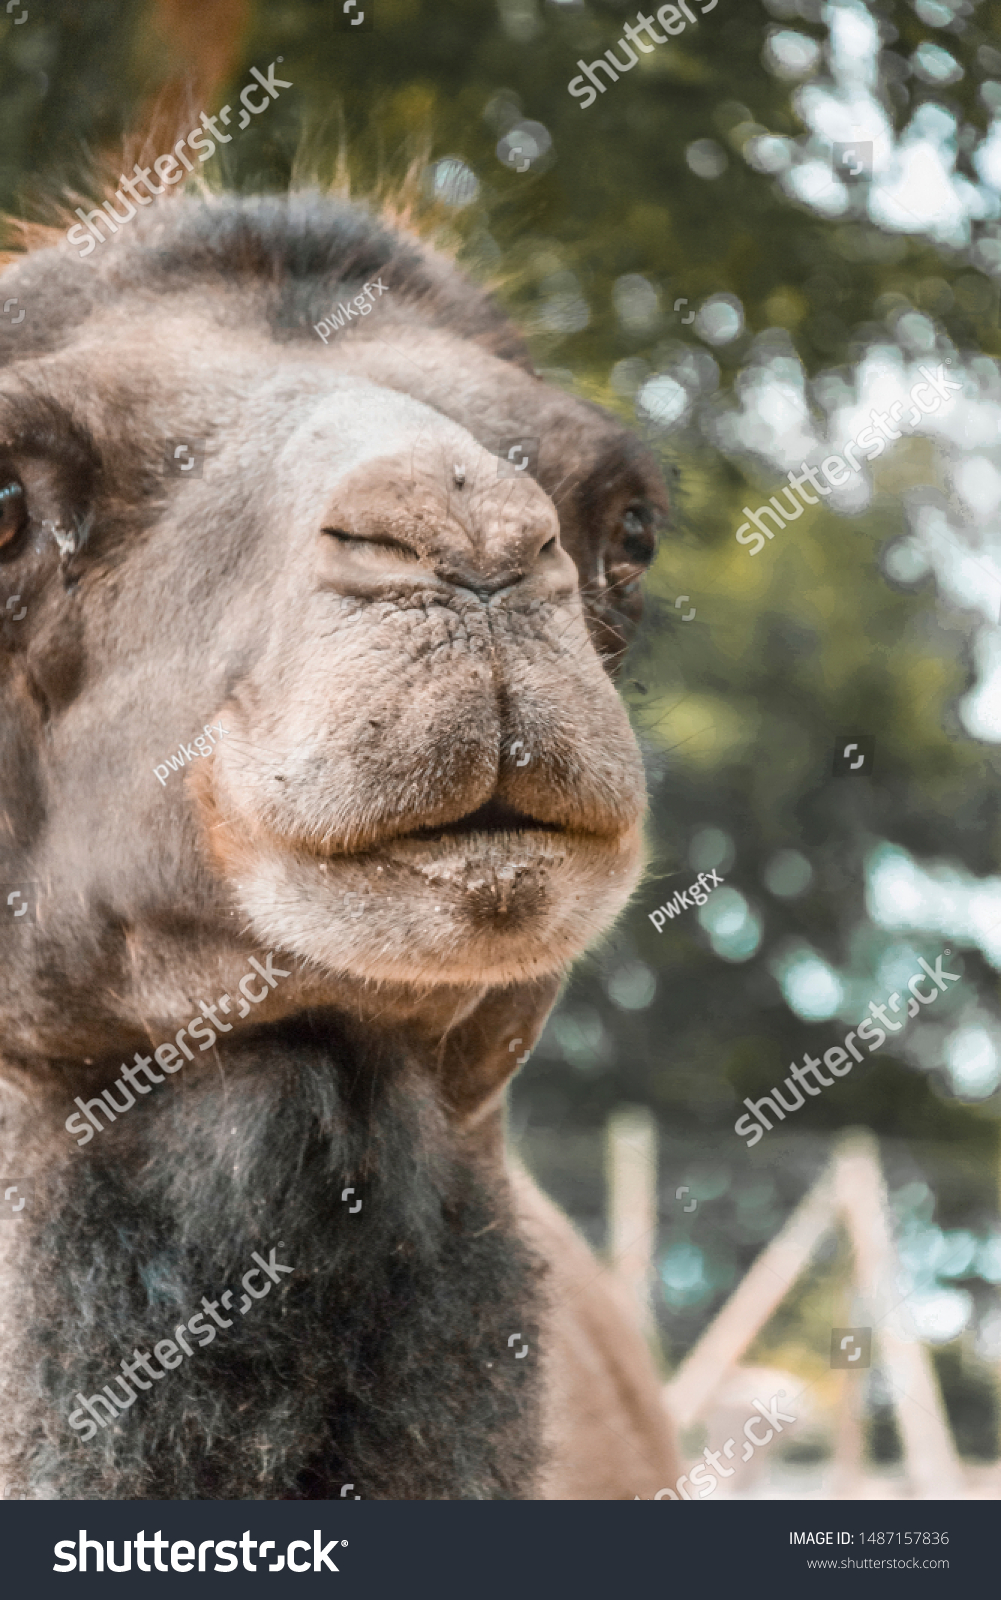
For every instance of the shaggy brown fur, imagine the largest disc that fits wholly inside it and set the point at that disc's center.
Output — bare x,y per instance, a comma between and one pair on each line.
381,622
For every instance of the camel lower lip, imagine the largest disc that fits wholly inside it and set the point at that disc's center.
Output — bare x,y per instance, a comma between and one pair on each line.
431,843
443,910
514,849
495,819
490,837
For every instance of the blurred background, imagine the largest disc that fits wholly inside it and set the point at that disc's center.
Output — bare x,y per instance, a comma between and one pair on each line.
754,238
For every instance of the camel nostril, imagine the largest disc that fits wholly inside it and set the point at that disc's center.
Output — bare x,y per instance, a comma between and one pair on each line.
550,544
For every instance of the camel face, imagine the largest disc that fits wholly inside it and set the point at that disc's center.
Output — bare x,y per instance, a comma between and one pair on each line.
429,774
424,773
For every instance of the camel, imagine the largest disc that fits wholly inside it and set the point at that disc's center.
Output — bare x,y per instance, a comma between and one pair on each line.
328,940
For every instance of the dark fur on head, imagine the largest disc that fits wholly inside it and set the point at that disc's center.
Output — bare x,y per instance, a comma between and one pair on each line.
381,1361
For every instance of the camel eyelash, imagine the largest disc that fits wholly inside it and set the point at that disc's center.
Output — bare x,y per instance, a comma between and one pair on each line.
351,540
342,537
13,512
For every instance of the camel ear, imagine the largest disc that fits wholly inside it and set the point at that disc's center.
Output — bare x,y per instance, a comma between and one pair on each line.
484,1052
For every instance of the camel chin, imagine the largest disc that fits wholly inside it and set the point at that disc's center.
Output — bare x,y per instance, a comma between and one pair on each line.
499,907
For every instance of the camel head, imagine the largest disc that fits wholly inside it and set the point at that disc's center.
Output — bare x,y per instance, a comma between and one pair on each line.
305,662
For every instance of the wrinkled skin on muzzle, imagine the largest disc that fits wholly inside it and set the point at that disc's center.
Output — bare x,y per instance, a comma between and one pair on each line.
436,662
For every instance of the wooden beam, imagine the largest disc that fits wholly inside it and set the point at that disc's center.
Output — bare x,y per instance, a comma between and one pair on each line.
763,1287
930,1457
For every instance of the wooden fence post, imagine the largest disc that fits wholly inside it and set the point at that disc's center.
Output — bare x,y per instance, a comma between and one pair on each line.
631,1177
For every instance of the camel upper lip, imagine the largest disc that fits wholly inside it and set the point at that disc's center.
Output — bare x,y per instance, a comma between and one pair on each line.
494,816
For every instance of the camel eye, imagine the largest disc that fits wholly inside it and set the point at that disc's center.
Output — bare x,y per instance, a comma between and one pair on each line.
375,546
13,512
638,538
